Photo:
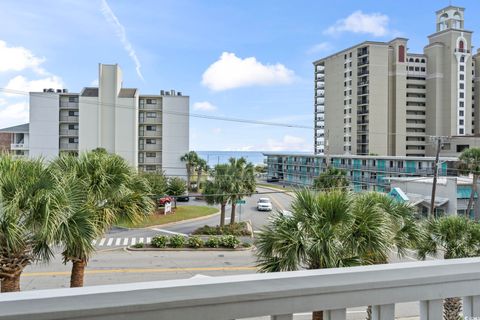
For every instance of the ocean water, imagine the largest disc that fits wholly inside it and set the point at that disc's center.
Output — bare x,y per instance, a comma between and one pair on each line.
218,157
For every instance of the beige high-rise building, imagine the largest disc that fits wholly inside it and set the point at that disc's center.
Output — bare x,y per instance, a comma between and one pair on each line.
377,98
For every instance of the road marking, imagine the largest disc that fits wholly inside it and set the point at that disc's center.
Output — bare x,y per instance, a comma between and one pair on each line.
168,231
140,240
149,240
277,203
117,242
102,242
110,241
139,270
125,241
134,240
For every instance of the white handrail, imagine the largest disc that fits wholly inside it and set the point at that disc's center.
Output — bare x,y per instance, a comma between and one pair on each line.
283,293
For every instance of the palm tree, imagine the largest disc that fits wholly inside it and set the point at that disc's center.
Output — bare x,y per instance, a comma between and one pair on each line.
470,163
451,237
33,203
331,178
111,190
242,182
200,168
216,190
328,230
190,159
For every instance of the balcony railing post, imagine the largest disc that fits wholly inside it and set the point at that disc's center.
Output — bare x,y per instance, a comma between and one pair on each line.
471,307
282,317
383,312
338,314
431,309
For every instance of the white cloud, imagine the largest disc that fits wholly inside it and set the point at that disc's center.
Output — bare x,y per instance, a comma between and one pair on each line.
375,24
14,114
288,143
122,35
21,83
231,72
3,102
18,59
217,131
320,47
204,106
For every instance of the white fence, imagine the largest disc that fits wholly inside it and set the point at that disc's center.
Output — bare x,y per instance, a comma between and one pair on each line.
276,294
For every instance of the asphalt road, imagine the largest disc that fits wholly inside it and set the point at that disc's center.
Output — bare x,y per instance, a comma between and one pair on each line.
120,266
119,237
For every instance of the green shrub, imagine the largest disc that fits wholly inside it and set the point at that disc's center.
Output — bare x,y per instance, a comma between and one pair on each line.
177,241
159,241
138,245
236,229
212,242
195,242
229,242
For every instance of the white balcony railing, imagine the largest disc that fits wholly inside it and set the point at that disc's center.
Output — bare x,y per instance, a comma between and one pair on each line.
279,295
69,132
18,146
68,118
68,146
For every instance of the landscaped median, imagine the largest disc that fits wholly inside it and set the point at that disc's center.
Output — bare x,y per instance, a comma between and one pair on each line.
181,213
192,243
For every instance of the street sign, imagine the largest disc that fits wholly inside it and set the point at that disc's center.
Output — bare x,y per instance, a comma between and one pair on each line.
241,202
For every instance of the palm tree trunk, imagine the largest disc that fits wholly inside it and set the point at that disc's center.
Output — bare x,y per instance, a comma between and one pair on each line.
189,173
222,214
317,315
11,284
199,174
452,308
472,196
232,215
78,273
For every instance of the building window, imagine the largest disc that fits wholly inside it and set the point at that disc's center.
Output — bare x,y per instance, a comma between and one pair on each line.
151,101
461,122
462,68
151,128
461,131
462,77
460,113
462,104
151,114
151,154
72,113
72,99
462,95
73,126
72,140
151,141
462,86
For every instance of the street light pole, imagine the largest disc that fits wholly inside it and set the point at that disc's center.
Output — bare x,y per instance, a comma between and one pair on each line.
438,141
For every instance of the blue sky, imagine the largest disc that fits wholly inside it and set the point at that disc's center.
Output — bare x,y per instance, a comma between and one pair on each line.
246,59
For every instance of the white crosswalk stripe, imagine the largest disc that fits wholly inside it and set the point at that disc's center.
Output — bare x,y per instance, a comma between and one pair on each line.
116,242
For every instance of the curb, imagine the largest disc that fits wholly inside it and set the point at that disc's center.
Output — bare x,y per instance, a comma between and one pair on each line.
277,189
189,249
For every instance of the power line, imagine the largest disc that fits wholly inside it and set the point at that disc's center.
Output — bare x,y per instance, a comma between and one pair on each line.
187,114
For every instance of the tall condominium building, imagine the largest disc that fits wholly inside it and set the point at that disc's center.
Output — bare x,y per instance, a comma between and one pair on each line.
377,98
150,131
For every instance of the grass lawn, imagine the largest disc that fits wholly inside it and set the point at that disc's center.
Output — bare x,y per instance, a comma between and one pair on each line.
181,213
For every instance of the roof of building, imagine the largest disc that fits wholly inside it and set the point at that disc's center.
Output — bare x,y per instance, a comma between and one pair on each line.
127,93
364,43
89,92
22,128
350,156
462,180
450,7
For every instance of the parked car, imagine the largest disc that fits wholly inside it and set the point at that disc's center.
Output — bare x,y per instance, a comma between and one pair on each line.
273,179
164,200
183,198
264,204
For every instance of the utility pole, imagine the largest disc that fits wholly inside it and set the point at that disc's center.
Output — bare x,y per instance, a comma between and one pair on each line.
438,141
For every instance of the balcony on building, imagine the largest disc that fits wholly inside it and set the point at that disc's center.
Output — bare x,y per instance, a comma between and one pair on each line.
278,295
69,146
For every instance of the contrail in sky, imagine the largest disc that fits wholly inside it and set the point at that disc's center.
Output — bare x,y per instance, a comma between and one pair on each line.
122,35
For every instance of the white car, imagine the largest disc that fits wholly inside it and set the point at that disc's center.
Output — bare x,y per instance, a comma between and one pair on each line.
264,204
